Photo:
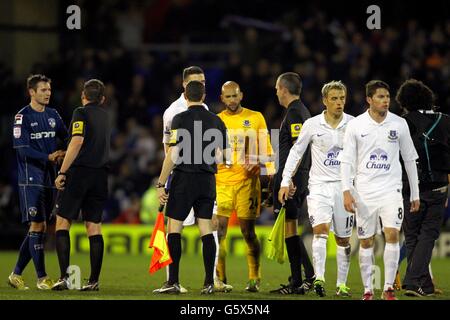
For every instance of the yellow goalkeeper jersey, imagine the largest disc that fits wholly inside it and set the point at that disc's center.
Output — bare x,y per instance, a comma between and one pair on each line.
249,141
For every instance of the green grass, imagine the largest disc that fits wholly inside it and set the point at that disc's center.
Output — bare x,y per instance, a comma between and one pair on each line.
126,277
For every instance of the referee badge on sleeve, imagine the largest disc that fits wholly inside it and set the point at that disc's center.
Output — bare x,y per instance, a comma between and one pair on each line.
295,129
77,127
173,136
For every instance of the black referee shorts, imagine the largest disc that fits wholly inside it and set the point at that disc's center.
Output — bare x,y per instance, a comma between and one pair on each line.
293,206
191,190
86,189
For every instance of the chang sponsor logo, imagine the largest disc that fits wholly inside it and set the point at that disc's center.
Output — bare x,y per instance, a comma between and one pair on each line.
331,157
378,160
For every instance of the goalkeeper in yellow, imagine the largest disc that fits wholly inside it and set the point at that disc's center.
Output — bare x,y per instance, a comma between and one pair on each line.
237,183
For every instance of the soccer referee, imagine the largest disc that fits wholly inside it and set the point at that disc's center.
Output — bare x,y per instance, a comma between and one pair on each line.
198,138
83,181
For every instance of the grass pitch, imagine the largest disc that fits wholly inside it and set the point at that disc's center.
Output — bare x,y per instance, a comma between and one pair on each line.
126,277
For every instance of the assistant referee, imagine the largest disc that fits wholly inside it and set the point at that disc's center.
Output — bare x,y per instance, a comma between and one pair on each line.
198,138
83,181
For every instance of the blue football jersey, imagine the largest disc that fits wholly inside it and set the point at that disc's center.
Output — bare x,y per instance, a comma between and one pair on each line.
38,131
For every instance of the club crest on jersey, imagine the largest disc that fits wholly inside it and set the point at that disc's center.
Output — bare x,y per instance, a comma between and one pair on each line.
52,122
361,231
17,132
378,159
32,211
246,124
392,137
331,157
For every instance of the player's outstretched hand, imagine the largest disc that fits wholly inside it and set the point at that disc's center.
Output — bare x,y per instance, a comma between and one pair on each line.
283,194
60,158
292,190
415,204
60,181
349,201
56,156
163,196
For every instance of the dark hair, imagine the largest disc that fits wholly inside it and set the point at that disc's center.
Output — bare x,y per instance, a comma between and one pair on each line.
415,95
195,91
191,70
373,85
34,79
94,91
292,82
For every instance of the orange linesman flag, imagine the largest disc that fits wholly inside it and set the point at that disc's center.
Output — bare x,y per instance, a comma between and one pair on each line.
161,255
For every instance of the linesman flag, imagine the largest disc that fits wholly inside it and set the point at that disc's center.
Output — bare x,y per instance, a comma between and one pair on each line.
161,255
276,238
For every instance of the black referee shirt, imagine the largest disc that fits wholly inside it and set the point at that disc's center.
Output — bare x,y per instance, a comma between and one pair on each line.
296,115
419,122
92,122
197,150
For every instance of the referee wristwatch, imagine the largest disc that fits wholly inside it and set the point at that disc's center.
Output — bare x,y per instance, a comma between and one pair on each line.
160,185
61,173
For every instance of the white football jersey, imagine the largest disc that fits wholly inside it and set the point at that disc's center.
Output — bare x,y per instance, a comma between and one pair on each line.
178,106
326,144
373,149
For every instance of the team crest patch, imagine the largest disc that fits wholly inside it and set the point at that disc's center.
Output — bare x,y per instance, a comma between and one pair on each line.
32,211
18,119
246,124
17,132
52,122
392,135
361,231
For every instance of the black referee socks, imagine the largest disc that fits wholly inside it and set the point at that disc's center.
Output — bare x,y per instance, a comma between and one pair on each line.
209,255
295,259
174,242
96,253
63,251
309,269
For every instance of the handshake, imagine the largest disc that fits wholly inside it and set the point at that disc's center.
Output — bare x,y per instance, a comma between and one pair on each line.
57,157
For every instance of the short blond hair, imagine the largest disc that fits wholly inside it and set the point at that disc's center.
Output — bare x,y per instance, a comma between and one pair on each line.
337,85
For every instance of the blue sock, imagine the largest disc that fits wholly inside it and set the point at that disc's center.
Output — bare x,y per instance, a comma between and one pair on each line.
24,256
402,253
37,252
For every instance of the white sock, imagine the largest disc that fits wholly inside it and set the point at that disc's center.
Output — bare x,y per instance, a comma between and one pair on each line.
391,256
319,249
216,239
343,264
366,265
